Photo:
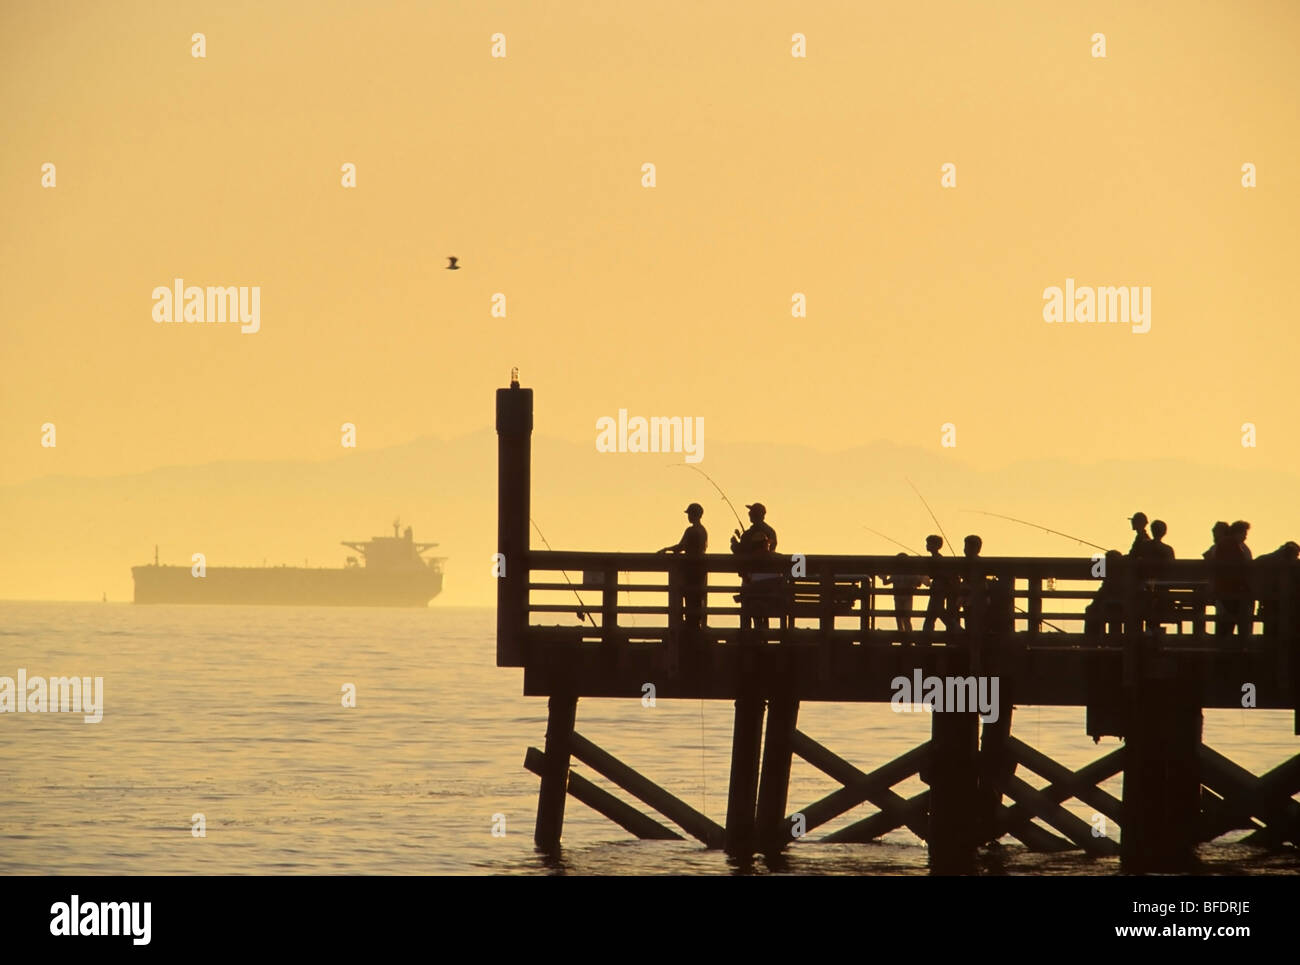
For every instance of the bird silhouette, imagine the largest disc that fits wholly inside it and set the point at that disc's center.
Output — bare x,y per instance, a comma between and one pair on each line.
453,266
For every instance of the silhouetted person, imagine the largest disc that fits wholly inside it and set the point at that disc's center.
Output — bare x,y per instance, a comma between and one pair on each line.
1156,549
1106,611
695,579
1239,529
760,593
1246,600
1155,598
1230,586
904,589
1219,532
748,541
940,605
972,584
1140,538
451,263
1271,583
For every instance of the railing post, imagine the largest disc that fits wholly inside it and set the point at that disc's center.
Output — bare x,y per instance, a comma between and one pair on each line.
826,619
1130,626
609,608
1035,601
676,611
866,596
514,457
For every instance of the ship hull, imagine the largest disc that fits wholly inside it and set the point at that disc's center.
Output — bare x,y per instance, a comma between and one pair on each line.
286,586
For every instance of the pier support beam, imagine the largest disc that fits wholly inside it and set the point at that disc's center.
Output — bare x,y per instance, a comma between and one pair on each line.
746,738
774,783
953,776
561,713
1162,783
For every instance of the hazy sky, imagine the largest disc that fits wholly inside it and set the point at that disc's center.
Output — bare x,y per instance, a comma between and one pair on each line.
775,175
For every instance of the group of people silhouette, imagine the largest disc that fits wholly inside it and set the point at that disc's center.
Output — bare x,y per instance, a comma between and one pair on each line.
759,592
1234,590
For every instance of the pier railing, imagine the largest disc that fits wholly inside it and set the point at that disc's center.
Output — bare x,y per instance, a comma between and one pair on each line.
622,597
1141,646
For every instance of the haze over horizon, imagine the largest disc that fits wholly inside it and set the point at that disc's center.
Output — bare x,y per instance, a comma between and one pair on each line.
776,176
582,499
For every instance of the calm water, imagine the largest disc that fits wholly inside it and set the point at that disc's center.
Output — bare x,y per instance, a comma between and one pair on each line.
236,713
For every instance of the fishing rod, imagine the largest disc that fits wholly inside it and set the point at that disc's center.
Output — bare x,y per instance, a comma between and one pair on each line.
547,544
954,552
932,516
1046,529
891,539
910,550
691,465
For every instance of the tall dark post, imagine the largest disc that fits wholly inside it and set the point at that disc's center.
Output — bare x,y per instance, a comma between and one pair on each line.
774,780
742,792
1162,782
514,458
996,767
953,777
561,712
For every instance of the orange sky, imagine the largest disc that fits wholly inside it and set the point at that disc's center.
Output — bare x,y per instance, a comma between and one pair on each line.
775,175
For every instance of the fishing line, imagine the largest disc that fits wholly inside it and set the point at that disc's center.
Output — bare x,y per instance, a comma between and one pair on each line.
891,539
704,785
1018,609
564,574
691,465
1054,532
932,516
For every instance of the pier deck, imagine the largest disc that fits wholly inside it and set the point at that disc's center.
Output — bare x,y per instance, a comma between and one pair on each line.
606,625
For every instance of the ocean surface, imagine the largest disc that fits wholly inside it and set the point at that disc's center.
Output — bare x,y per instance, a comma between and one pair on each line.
236,714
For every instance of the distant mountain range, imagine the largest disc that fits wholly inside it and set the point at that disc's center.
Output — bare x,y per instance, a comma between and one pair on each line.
77,537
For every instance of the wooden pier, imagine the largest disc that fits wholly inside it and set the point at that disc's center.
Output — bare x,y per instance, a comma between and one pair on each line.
1145,676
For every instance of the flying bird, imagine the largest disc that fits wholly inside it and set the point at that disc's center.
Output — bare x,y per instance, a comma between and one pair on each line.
453,266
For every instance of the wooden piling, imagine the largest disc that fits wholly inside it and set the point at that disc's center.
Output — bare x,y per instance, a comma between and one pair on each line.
997,765
561,713
742,792
953,776
1136,683
774,782
1162,784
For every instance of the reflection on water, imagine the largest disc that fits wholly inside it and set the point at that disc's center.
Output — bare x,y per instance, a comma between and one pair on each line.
235,713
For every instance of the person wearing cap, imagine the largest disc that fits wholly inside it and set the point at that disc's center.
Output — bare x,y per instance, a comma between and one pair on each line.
759,592
751,540
1139,523
695,579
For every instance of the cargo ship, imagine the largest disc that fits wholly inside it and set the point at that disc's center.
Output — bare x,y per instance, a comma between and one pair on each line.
391,571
